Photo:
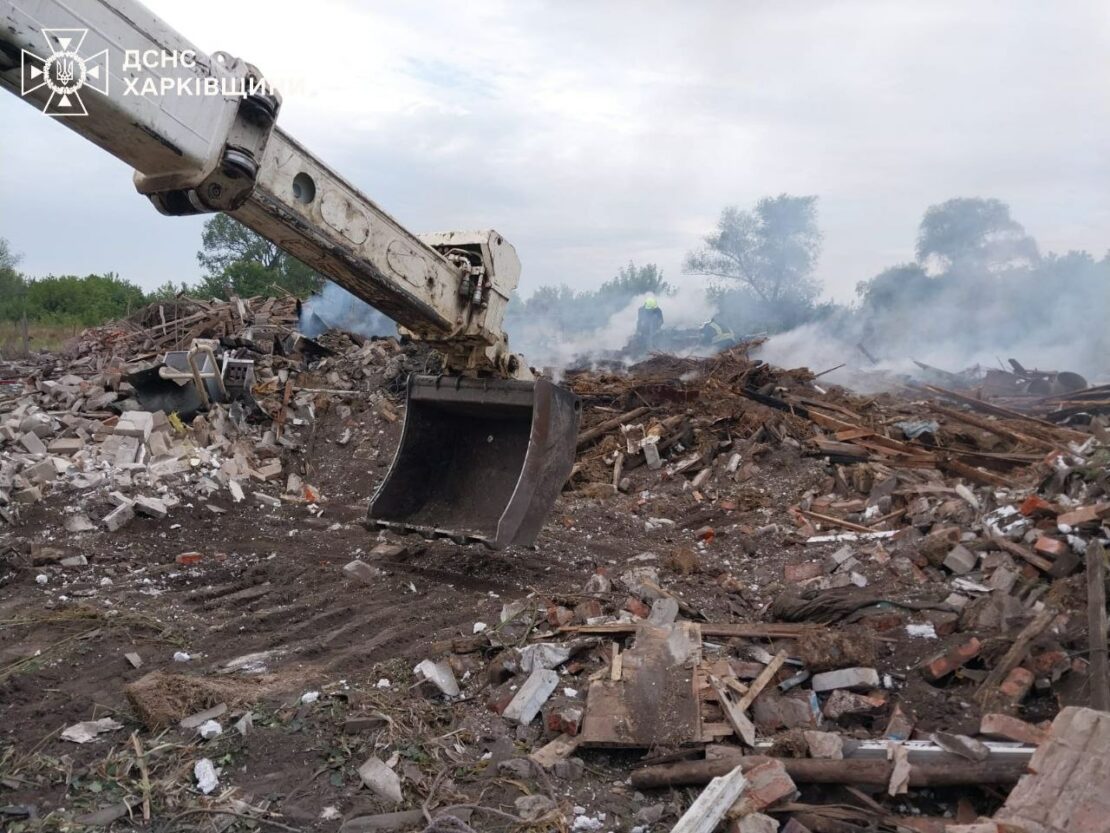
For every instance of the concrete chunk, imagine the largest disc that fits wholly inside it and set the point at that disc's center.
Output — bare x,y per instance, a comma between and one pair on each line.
152,507
267,500
440,675
32,443
157,444
381,780
119,517
135,424
127,450
824,744
663,612
41,472
846,678
32,494
960,560
532,695
79,523
66,445
962,745
361,571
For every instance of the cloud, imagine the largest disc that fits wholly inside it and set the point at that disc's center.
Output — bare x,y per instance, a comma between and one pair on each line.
591,134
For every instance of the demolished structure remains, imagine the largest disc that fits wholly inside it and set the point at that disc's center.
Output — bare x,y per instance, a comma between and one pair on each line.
761,603
690,593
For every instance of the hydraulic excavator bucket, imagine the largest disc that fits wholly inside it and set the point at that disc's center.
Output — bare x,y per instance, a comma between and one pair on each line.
479,459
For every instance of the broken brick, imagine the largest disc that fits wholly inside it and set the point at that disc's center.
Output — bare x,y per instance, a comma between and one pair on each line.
1017,684
795,573
1083,516
767,784
1052,547
842,702
559,616
1050,664
586,610
1034,506
1066,787
945,663
563,720
1010,728
637,608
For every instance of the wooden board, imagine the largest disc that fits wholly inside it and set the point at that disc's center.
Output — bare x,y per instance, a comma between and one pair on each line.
654,703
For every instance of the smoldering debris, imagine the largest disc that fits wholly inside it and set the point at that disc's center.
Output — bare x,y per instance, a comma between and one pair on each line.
333,307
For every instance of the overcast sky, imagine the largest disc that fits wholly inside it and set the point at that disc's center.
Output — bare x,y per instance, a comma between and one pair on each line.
590,134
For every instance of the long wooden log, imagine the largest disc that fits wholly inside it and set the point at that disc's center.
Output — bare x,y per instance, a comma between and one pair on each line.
993,427
998,410
874,772
588,436
959,469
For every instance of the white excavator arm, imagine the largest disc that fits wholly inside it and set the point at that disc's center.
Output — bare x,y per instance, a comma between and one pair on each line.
200,133
485,449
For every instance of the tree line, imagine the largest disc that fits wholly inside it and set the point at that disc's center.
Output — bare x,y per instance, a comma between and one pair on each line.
234,260
973,261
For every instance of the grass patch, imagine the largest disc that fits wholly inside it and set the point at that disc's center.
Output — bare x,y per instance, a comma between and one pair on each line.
40,337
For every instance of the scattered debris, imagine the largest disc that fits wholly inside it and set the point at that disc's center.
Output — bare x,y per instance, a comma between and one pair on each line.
856,612
88,730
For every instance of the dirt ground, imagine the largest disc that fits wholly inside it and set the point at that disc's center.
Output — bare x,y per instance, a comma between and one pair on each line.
269,586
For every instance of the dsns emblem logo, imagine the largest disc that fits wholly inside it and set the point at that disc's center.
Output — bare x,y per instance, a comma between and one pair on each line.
64,72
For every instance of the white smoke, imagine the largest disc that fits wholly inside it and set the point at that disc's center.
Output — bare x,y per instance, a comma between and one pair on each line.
334,307
547,345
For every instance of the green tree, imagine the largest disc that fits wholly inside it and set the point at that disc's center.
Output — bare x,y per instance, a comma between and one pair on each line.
635,280
771,250
12,285
968,234
93,299
569,311
239,262
168,291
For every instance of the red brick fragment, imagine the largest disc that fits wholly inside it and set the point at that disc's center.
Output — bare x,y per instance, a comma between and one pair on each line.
767,784
1083,516
883,621
803,572
943,664
636,607
1035,505
1051,547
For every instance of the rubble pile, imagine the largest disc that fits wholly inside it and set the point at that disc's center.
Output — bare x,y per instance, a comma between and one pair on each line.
173,324
762,603
82,428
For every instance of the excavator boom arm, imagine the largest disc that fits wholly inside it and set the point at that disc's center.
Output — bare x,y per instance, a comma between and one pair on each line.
483,452
199,131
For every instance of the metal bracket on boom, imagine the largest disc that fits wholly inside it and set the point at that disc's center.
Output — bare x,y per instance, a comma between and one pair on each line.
233,174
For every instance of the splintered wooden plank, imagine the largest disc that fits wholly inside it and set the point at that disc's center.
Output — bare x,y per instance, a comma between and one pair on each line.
654,703
710,807
760,682
557,750
735,716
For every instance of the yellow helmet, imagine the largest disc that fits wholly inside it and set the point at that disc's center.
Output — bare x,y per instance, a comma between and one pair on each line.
651,303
